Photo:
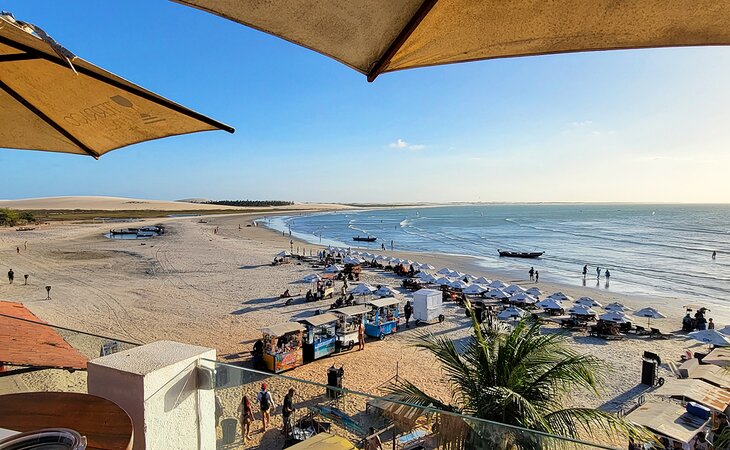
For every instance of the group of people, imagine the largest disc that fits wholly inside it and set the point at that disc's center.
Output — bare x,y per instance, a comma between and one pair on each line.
607,273
534,275
266,405
698,322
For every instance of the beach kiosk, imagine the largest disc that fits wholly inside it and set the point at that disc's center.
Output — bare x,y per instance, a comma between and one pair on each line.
283,346
382,319
428,306
319,336
348,322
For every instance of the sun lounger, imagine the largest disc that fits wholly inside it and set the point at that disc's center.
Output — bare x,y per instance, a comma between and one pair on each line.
657,334
597,331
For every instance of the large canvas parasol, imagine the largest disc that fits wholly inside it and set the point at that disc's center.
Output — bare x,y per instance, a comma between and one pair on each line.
53,101
377,36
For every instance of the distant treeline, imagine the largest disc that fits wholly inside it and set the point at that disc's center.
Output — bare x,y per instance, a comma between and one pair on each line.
249,202
11,217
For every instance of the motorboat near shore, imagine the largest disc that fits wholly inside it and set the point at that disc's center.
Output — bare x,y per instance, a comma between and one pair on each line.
511,254
364,238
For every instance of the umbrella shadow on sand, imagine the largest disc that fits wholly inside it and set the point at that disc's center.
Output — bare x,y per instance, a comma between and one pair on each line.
618,402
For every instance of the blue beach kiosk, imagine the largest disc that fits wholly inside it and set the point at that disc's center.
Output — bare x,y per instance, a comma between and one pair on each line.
319,336
382,319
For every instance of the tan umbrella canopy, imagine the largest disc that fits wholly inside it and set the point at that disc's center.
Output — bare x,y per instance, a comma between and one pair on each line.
376,36
53,101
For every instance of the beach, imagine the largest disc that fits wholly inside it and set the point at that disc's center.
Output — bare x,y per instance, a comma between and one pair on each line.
212,284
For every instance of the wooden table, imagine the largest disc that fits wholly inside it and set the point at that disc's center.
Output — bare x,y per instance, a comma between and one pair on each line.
105,425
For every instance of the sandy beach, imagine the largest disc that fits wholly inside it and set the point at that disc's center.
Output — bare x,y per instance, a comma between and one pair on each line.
219,289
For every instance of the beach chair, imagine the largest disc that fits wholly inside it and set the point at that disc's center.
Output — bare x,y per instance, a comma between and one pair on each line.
657,334
640,331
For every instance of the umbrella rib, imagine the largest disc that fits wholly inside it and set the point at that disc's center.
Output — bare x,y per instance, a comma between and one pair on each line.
401,39
130,89
20,99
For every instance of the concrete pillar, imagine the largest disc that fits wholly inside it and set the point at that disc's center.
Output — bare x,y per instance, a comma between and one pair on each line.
166,389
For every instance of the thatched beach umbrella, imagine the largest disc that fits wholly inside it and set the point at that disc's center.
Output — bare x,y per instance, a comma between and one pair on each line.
51,100
378,36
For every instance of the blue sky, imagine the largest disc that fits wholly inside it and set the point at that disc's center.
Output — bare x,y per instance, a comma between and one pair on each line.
647,125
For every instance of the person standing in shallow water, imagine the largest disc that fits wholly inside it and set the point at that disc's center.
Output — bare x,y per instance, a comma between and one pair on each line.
532,273
537,276
714,254
585,270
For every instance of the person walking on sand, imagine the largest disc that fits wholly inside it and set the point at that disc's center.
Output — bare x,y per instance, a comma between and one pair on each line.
11,276
266,403
361,336
408,311
537,276
246,417
287,409
17,249
532,273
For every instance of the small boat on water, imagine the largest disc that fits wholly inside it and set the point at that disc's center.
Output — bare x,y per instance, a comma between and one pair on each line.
520,254
364,239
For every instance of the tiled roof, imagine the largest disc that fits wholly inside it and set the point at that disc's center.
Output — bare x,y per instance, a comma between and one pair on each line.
29,344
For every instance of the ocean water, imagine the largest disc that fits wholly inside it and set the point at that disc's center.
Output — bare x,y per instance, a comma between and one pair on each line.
662,250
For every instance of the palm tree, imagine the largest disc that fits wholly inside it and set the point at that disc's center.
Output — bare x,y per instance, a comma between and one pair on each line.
520,378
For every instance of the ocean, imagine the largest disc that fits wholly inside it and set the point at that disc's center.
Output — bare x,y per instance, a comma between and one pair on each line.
661,250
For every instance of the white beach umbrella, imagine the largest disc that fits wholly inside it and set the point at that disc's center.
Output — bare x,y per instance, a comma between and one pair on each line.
427,278
362,289
550,303
456,274
588,301
380,258
423,275
475,289
426,267
511,312
497,284
459,284
649,313
725,330
444,271
350,260
560,296
616,306
482,280
514,289
334,268
582,310
408,262
615,317
498,294
443,281
386,291
283,254
534,291
311,278
711,337
522,299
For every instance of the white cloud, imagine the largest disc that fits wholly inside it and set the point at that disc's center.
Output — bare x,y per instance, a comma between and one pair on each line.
401,144
584,123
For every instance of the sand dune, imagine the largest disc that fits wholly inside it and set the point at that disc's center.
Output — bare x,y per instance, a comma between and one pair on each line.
127,204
